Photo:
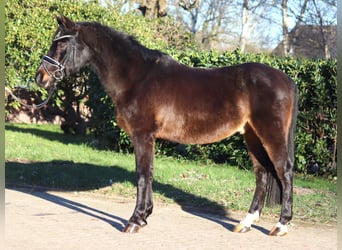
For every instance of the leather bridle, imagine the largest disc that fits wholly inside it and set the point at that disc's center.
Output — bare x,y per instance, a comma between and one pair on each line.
59,73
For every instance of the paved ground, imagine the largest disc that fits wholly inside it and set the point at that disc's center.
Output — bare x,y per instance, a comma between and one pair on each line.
58,220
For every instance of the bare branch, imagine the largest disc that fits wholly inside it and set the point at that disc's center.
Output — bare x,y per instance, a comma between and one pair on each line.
189,5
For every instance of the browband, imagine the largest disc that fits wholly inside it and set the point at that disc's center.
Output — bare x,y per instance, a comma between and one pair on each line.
62,37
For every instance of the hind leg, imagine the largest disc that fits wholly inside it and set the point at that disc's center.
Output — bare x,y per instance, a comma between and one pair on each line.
284,169
275,143
260,160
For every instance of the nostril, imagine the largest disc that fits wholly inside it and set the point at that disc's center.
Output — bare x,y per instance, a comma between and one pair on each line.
39,77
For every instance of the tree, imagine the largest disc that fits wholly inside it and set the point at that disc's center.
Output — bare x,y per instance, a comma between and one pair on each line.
321,15
287,41
192,7
210,21
153,8
250,19
309,15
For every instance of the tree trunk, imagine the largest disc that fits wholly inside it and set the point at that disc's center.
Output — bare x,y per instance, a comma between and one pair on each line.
244,30
286,42
153,8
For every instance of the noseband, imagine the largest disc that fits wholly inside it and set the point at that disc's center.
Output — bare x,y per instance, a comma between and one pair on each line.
59,73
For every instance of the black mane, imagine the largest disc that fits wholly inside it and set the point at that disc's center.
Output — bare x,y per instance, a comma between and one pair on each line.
120,40
147,54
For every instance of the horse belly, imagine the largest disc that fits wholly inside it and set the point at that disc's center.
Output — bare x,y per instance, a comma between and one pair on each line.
195,131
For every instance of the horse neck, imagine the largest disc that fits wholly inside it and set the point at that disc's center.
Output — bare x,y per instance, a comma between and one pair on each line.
118,67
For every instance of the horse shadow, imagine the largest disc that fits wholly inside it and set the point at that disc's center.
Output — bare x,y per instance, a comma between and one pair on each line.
19,171
50,135
113,220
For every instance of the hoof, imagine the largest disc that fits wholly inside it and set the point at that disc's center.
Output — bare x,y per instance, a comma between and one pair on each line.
278,231
131,228
240,228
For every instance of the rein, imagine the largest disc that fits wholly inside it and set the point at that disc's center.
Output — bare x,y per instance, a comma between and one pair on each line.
34,106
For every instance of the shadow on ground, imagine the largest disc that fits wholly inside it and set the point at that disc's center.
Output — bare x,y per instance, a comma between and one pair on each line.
115,221
50,135
83,177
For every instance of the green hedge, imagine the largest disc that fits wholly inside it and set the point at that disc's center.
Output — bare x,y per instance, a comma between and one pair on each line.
316,127
29,28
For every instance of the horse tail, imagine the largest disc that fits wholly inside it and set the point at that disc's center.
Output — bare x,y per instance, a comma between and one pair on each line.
274,189
292,131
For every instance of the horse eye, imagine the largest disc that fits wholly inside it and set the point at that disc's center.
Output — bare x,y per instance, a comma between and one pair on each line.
62,41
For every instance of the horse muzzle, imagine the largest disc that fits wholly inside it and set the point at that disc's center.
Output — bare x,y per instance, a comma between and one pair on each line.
43,79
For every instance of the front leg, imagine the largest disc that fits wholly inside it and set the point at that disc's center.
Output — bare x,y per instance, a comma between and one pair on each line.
144,149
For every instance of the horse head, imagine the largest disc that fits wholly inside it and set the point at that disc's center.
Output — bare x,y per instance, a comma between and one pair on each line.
67,54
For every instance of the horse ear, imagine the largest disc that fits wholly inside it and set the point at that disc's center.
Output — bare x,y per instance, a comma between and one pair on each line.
66,22
59,20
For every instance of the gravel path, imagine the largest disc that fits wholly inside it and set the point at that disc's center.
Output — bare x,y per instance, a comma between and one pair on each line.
59,220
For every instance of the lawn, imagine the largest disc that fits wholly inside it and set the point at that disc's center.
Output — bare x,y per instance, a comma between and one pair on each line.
42,155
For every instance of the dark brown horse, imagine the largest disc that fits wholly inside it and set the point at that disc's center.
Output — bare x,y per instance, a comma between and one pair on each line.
157,97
